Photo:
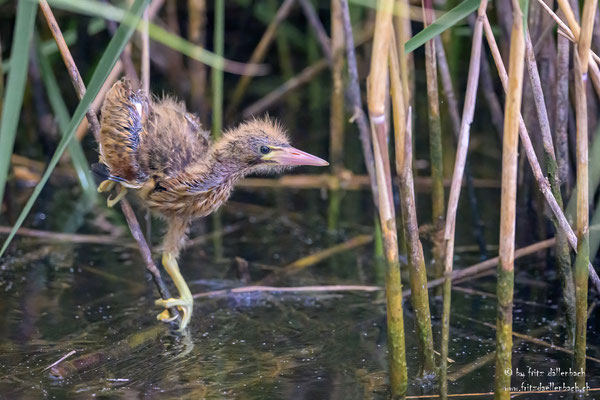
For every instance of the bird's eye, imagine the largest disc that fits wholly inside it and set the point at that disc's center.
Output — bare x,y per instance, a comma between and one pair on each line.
265,149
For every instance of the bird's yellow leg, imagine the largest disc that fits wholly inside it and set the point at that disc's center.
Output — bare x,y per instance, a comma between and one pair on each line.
185,302
122,192
105,186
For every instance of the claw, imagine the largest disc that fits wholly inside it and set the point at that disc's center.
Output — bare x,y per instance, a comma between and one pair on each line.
165,316
185,306
122,192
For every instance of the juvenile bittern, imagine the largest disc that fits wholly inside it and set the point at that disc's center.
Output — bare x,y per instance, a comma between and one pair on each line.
160,150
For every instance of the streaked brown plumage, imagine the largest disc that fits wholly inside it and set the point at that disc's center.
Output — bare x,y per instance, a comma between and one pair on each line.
157,148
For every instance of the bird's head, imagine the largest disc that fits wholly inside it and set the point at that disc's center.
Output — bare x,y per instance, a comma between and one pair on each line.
261,145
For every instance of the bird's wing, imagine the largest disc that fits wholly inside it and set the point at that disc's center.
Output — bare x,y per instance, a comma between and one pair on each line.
174,141
122,132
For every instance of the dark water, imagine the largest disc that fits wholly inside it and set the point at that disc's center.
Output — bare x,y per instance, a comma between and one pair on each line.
96,299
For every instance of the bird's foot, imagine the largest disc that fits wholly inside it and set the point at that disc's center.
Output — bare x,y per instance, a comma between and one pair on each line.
184,305
105,186
122,192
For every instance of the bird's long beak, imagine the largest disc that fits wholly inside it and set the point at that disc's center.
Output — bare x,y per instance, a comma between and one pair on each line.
293,156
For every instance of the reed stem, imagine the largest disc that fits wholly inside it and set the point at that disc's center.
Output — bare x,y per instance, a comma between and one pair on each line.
197,70
408,216
435,145
145,67
563,257
336,116
358,115
376,94
258,54
336,120
452,106
313,19
217,103
403,32
457,176
70,64
542,182
416,260
508,207
581,61
561,121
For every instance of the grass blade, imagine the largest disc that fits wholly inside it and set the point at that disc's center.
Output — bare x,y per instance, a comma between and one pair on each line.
446,21
59,108
15,86
105,65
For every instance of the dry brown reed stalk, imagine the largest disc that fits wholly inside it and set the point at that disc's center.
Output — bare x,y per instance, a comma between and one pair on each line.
312,259
376,96
435,145
510,148
399,118
491,98
125,56
542,182
355,99
132,222
305,76
572,32
403,32
399,109
69,62
452,107
457,176
258,55
69,237
486,265
302,78
336,116
295,289
569,15
447,86
561,121
315,23
145,74
116,72
562,250
336,119
145,61
416,260
346,181
197,70
581,62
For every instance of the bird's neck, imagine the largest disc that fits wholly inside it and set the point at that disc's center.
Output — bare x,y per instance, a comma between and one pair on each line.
219,170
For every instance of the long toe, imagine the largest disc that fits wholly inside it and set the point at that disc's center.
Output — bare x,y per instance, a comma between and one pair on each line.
165,316
184,305
106,186
110,202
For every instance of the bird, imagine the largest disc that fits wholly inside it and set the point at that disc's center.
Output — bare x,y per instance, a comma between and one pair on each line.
156,148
